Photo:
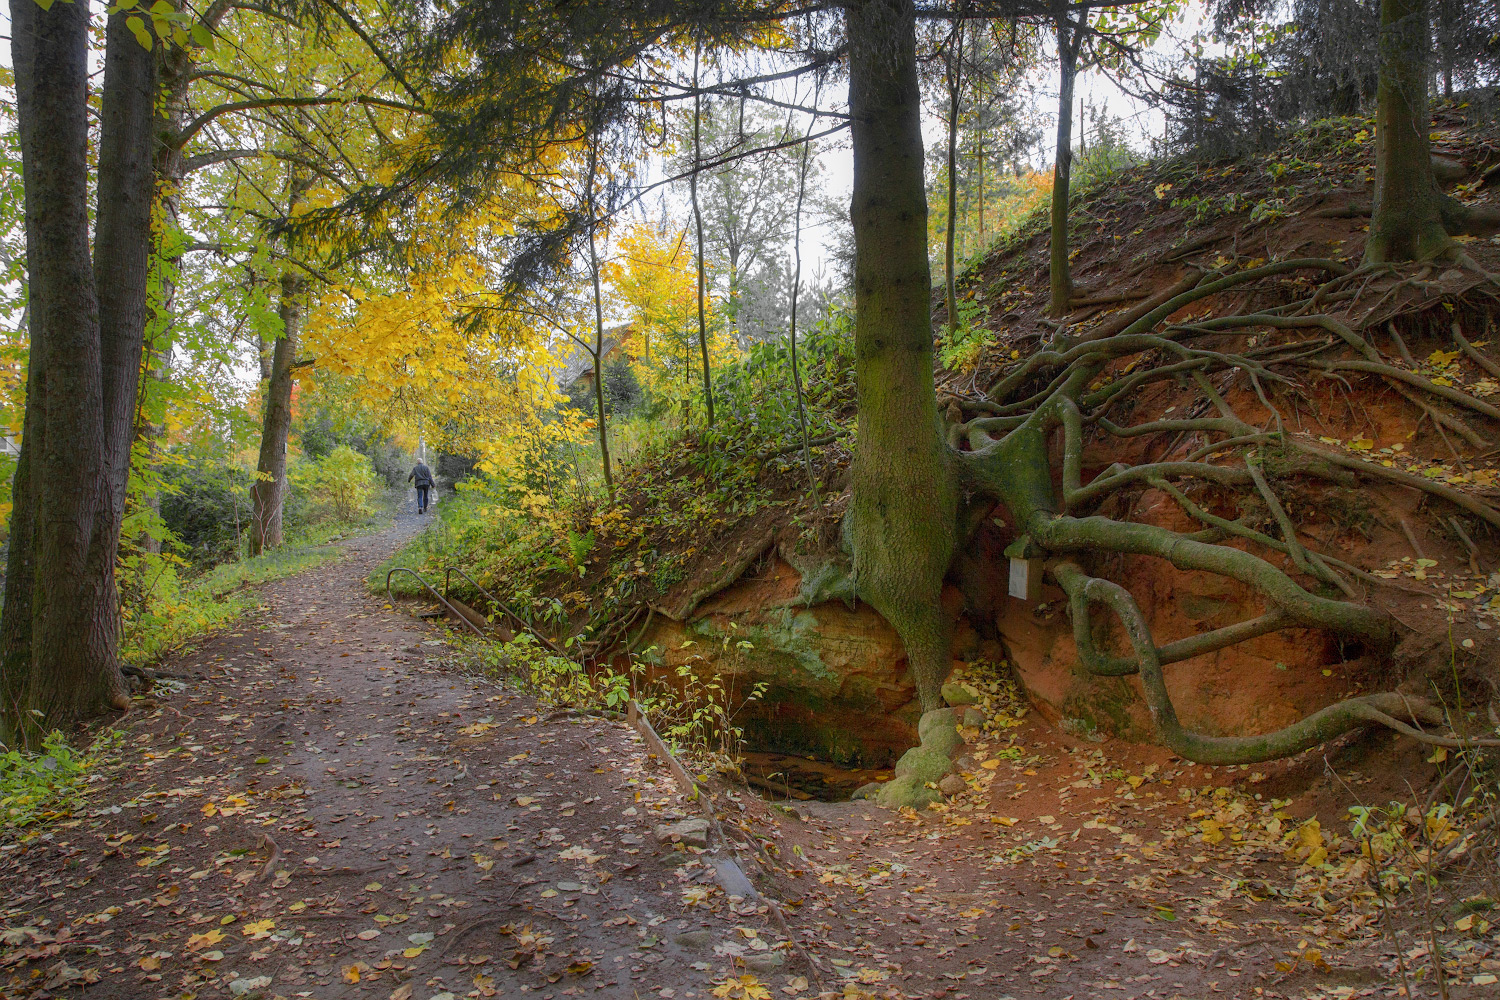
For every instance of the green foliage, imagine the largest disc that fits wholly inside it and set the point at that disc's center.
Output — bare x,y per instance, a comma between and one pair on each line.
168,614
623,393
338,416
694,711
340,486
962,345
756,401
1107,157
205,505
51,783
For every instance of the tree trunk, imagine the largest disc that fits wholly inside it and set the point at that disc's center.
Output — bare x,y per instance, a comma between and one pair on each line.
20,565
1446,33
268,495
812,480
598,354
901,520
954,79
708,388
122,261
1069,36
263,352
70,666
1406,222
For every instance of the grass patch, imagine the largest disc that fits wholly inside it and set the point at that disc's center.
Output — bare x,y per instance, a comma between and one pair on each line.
175,614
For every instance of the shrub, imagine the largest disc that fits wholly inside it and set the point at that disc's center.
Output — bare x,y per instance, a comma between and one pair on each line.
206,507
340,486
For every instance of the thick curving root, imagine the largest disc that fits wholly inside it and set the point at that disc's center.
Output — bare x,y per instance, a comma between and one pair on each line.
1353,713
1005,451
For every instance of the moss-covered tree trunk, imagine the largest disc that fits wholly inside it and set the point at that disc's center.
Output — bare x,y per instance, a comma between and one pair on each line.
901,518
1406,221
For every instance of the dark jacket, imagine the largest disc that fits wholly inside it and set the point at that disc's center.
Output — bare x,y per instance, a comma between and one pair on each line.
422,475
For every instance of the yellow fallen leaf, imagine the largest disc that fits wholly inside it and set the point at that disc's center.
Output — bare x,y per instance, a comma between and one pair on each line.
351,973
197,941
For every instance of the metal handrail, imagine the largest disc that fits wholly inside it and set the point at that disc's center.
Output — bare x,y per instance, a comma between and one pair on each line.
527,626
457,614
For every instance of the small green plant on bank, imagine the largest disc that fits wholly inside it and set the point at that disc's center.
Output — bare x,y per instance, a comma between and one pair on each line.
341,486
694,710
51,783
961,347
699,710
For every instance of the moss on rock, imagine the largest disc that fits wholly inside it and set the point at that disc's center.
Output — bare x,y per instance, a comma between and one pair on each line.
906,791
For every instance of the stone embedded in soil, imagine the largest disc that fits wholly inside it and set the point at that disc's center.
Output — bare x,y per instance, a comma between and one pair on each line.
952,785
694,940
924,763
942,735
938,720
766,961
972,718
693,832
958,694
906,791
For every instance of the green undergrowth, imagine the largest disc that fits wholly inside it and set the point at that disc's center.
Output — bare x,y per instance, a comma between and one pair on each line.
50,784
176,612
695,712
547,541
167,606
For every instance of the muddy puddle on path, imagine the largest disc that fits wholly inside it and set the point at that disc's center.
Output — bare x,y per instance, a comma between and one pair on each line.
779,776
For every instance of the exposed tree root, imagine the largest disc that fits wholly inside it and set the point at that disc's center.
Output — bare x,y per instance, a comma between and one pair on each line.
1008,446
1320,727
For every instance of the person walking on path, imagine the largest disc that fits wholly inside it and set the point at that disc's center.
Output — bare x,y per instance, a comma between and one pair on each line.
422,476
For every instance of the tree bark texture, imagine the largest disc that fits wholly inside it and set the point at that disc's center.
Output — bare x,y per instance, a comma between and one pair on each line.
902,518
1406,222
122,254
954,80
1069,39
268,495
20,570
61,624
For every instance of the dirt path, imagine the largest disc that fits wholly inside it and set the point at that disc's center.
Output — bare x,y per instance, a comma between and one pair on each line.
328,813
